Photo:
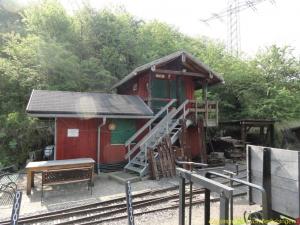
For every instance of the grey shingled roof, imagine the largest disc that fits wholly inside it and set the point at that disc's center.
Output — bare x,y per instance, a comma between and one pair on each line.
164,59
66,103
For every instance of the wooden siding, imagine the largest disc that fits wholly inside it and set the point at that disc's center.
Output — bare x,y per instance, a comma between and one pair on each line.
85,145
141,87
193,140
187,87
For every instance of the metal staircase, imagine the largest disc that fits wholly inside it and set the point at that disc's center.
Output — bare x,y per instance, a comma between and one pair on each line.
166,121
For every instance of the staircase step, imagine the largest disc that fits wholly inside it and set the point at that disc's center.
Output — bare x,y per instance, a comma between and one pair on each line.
161,127
136,162
140,158
133,168
152,143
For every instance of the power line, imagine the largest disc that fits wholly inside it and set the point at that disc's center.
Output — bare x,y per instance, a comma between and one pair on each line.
232,13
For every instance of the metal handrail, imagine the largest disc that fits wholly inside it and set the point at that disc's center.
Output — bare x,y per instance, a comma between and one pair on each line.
172,115
141,130
166,120
174,125
265,208
169,116
145,138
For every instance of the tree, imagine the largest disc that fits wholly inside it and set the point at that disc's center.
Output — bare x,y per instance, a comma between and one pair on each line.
49,19
44,47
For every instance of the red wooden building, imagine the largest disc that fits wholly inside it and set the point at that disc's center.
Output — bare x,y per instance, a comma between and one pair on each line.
148,104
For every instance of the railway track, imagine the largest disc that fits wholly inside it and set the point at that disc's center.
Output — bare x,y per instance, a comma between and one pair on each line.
115,209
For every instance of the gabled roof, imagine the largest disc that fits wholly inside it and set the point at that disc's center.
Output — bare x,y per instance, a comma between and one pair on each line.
215,78
84,104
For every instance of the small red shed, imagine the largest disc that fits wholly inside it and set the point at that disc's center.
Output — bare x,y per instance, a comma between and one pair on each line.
150,102
94,125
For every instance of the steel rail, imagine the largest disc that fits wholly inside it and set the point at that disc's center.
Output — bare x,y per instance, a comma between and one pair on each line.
175,206
94,207
114,209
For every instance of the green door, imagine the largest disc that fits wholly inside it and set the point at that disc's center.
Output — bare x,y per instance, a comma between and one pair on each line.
124,129
167,89
177,91
159,89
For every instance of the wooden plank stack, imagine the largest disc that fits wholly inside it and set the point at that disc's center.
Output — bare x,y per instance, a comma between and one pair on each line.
162,161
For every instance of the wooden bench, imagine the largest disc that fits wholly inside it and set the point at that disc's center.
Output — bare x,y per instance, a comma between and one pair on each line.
59,165
67,176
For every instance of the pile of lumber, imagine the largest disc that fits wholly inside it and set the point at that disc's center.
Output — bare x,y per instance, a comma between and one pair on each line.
163,158
162,161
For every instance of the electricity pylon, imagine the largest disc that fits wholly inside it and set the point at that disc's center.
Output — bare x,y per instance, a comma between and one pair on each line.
232,12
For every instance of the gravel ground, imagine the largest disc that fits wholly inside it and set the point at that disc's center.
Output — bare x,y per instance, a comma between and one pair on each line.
168,217
71,195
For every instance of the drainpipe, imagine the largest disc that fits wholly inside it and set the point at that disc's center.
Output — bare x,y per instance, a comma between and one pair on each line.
98,143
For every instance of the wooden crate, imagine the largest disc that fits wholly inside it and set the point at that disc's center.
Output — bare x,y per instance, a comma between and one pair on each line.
285,172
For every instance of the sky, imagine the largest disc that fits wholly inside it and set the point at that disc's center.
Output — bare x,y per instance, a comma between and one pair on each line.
271,23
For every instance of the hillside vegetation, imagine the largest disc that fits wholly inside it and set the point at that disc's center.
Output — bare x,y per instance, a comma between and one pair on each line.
45,47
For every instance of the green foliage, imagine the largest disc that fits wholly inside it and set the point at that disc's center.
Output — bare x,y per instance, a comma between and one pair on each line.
44,47
49,20
20,134
158,39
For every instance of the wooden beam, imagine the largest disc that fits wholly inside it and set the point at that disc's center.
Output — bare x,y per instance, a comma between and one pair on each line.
183,58
174,72
150,88
190,67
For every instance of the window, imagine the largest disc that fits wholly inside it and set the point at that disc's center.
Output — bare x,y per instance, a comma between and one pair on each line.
124,129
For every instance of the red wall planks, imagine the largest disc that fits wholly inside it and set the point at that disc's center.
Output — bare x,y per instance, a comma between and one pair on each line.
140,89
76,147
86,144
110,153
189,87
194,142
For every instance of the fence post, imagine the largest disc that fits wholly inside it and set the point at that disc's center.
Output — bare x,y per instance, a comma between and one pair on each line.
16,208
129,203
224,206
181,201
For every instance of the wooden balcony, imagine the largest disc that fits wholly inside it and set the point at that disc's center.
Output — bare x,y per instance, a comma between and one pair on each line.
208,111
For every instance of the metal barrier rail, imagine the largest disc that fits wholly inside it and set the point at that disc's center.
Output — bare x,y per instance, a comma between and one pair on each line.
224,191
265,206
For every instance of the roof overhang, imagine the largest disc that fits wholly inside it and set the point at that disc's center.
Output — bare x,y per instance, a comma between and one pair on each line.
53,104
86,116
188,60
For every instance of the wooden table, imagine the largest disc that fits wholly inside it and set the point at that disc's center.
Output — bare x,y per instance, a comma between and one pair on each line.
41,166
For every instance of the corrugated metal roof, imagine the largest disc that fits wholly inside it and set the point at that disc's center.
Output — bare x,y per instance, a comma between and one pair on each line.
86,104
164,59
